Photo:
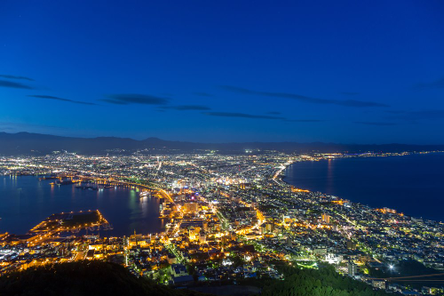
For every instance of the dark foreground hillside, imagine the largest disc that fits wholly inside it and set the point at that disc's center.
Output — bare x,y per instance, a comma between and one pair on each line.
312,282
82,278
101,278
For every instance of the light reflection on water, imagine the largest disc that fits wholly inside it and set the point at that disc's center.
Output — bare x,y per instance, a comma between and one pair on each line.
330,169
25,201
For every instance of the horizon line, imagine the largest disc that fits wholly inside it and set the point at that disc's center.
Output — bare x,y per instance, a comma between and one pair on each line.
194,142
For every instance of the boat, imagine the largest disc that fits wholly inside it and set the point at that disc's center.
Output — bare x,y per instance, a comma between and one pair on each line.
145,194
64,182
87,187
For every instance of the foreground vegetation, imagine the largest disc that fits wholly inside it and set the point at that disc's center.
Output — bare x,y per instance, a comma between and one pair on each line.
82,278
324,281
102,278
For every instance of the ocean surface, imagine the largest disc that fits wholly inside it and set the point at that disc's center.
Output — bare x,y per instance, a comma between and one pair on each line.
413,184
25,201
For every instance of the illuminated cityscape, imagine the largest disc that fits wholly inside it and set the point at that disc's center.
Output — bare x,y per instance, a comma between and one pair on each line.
229,148
227,217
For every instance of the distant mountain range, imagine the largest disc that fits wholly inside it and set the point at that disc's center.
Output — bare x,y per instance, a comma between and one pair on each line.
39,144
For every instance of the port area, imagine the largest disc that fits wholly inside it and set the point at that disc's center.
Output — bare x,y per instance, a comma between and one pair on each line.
65,222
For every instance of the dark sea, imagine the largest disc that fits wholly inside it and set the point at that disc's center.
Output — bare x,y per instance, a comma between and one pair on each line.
25,201
412,184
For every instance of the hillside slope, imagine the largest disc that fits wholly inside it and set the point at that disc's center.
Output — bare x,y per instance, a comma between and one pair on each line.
82,278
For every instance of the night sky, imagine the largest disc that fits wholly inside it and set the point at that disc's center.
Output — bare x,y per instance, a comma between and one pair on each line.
222,71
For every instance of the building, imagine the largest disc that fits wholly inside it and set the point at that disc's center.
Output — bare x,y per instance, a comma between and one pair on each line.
352,269
326,218
180,275
178,270
379,284
191,207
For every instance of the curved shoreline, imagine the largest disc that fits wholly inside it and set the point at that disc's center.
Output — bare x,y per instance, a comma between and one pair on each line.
67,198
393,199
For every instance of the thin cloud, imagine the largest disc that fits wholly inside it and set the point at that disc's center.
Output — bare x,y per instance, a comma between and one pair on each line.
188,108
241,115
348,103
347,93
12,84
428,114
16,77
396,112
20,127
127,99
60,99
114,102
417,115
435,84
251,116
303,120
375,123
203,94
425,115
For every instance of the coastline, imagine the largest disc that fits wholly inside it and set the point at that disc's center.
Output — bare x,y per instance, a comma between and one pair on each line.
113,204
375,203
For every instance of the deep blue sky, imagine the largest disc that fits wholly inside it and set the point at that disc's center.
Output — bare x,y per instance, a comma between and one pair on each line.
215,71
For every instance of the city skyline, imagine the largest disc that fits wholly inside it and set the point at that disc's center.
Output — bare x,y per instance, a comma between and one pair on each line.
232,72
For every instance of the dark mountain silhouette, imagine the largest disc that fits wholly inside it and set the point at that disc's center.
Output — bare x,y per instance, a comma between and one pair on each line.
39,144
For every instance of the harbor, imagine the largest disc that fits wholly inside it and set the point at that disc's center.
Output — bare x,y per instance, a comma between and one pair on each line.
126,207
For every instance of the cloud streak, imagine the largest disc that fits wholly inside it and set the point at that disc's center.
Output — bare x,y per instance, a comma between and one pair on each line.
435,84
251,116
303,120
16,77
12,84
375,123
347,103
127,99
241,115
415,116
348,93
203,94
20,127
187,108
60,99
